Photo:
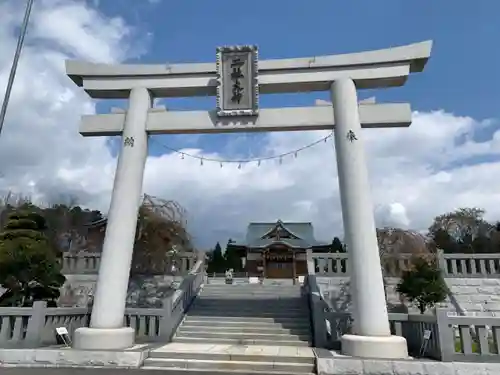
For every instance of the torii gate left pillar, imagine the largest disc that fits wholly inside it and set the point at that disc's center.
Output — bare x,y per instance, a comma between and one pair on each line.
342,75
106,324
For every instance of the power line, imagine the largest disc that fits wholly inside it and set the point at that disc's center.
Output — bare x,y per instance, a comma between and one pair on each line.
15,62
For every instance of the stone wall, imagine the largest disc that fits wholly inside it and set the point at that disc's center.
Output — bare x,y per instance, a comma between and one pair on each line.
474,294
147,291
468,294
143,291
77,290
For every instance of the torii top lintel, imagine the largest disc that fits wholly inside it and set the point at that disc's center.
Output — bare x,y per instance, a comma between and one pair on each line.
370,69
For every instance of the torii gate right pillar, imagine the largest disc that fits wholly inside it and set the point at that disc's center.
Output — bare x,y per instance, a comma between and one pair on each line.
372,335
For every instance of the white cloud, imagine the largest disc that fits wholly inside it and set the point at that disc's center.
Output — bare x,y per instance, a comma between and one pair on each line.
416,173
392,215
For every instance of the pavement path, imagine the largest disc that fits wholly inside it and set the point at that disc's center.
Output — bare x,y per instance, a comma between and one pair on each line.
69,371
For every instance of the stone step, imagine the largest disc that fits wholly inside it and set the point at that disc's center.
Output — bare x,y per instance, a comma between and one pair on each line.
261,367
188,371
250,319
244,290
239,341
248,313
249,296
222,333
244,297
244,324
252,289
253,286
251,306
245,302
243,314
256,353
249,309
303,331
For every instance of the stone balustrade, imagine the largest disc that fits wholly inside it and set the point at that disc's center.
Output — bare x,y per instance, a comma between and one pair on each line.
470,265
452,265
86,263
29,327
444,336
81,263
453,338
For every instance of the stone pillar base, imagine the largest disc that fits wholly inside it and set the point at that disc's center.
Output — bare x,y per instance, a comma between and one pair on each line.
389,347
103,338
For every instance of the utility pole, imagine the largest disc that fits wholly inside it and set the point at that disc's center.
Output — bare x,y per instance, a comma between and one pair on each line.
15,62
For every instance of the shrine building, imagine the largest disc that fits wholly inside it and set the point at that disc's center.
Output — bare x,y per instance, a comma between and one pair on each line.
278,250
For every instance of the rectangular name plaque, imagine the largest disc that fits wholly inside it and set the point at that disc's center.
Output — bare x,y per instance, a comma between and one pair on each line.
237,81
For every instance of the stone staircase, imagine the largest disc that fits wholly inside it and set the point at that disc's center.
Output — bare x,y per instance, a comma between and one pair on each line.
243,329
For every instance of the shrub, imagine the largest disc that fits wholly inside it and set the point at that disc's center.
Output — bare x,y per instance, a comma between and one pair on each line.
423,284
29,268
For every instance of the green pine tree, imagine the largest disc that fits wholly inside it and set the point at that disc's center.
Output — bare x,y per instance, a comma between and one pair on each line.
337,246
216,262
29,267
423,285
232,259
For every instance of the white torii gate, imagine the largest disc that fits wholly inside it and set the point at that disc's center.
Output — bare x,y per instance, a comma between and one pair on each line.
342,75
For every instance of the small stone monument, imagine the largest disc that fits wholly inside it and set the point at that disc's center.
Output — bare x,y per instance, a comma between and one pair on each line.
229,276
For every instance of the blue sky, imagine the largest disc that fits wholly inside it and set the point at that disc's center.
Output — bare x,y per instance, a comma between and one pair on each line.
448,158
458,78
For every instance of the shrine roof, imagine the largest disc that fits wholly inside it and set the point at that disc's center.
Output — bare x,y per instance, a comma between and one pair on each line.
293,234
97,223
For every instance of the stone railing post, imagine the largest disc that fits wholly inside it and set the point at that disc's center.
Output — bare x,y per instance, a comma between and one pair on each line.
184,266
97,262
166,323
442,262
446,335
80,266
315,303
66,263
36,324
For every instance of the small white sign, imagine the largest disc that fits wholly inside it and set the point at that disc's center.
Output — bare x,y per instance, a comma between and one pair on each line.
427,334
62,331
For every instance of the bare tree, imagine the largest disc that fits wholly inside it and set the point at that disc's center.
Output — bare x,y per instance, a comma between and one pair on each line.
161,236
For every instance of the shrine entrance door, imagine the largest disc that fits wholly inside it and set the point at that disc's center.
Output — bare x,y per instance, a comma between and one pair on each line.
279,263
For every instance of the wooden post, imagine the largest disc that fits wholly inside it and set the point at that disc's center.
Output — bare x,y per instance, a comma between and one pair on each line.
294,268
